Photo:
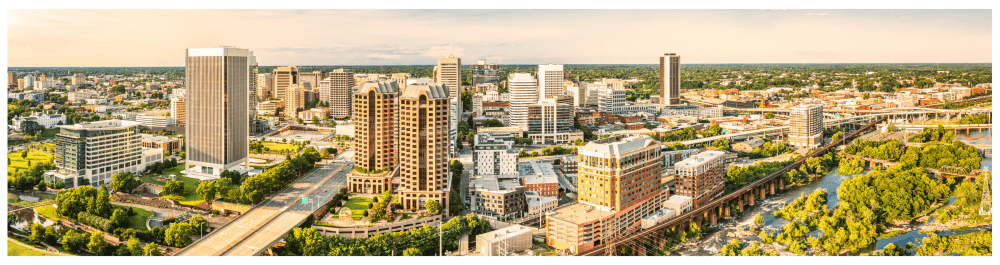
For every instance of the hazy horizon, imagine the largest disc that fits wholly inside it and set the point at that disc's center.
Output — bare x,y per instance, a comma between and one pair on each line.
158,38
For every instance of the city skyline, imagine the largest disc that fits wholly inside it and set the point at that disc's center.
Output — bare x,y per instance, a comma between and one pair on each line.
60,38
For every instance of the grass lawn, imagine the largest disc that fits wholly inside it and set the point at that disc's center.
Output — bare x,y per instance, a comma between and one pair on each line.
358,206
138,222
278,146
45,135
191,197
14,249
43,198
49,212
18,163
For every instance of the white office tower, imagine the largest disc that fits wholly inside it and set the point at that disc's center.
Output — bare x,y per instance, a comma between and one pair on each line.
807,125
610,100
579,94
550,81
594,93
218,82
454,115
670,79
523,92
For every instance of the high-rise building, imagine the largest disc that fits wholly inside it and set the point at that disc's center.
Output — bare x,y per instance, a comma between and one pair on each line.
670,79
494,154
483,73
550,81
424,167
293,101
400,79
28,81
336,90
609,100
94,151
376,121
619,183
78,79
448,72
311,78
218,83
579,95
252,125
265,83
806,125
550,122
523,92
284,77
701,176
178,110
11,81
454,116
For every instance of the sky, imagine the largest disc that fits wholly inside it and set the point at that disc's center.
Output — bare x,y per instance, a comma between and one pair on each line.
109,38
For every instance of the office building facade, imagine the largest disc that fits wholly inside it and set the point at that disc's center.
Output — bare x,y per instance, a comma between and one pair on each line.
95,151
550,81
701,176
448,72
337,90
494,154
806,126
523,92
218,83
670,79
424,140
284,77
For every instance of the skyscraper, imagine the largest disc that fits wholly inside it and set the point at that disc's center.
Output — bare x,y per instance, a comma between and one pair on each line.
337,90
550,81
293,101
670,79
807,125
423,146
312,78
178,110
284,77
376,121
264,85
448,72
218,84
483,73
523,92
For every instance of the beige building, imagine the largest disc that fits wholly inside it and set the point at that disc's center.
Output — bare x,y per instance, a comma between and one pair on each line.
701,176
670,79
218,89
311,78
318,113
550,81
264,84
284,77
400,79
337,90
448,72
375,137
424,142
619,184
504,241
178,110
292,102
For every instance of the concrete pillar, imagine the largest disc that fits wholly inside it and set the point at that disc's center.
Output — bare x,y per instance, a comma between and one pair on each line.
727,211
740,206
772,188
714,218
763,194
638,250
751,198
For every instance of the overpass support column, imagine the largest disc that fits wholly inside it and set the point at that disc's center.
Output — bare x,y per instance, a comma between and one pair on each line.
763,193
638,250
713,217
728,211
751,198
772,188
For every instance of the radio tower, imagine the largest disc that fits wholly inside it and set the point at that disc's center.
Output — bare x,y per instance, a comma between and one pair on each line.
986,204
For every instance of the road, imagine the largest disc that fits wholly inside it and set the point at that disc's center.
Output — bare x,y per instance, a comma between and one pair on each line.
273,218
565,182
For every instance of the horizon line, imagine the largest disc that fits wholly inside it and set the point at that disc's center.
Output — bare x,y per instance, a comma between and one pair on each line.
496,64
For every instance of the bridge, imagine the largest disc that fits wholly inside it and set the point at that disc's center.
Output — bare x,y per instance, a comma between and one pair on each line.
943,172
780,130
266,223
708,214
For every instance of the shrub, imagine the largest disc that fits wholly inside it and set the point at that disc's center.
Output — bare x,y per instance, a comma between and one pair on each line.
94,221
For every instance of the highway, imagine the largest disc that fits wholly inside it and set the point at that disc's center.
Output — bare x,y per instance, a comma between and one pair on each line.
268,222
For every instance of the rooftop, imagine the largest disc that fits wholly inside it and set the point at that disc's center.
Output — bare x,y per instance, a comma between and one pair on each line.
507,232
699,159
101,125
616,145
432,91
379,87
579,213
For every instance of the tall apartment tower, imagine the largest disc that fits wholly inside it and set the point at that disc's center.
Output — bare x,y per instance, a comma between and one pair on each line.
337,90
618,172
218,83
376,114
701,176
423,145
293,101
284,77
264,85
252,101
494,154
550,81
178,110
670,79
807,125
11,81
448,72
376,137
523,92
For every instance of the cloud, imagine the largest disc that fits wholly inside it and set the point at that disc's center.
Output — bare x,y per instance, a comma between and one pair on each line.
775,9
384,56
817,14
443,51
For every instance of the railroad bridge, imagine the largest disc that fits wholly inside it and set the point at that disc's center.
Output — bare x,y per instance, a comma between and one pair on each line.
709,214
943,172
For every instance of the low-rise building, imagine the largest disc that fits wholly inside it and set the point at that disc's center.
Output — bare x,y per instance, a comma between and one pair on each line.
748,145
498,197
504,241
701,177
41,118
539,204
546,185
168,144
568,164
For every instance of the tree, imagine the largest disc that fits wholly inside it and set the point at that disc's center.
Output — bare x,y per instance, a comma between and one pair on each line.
206,189
31,128
124,182
97,244
133,246
179,235
315,120
42,186
181,155
434,207
37,233
151,250
412,252
199,223
74,242
298,120
173,187
101,204
119,219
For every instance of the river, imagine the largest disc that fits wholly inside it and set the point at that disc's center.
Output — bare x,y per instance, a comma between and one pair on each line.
713,241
